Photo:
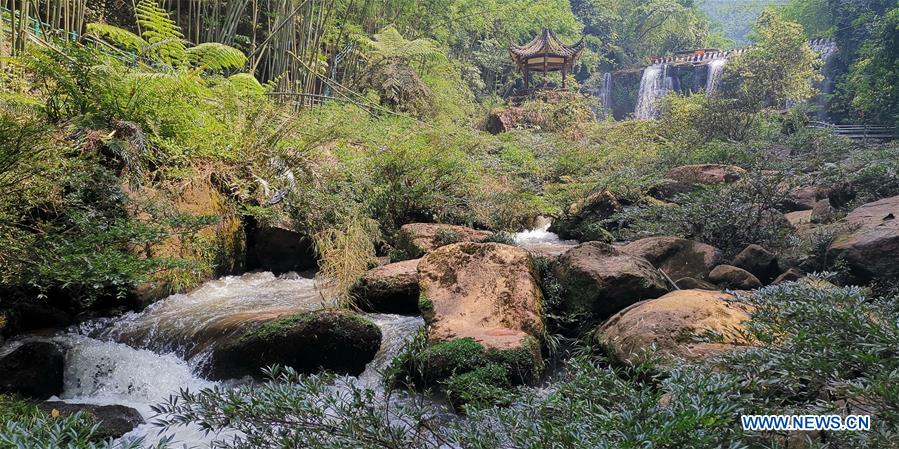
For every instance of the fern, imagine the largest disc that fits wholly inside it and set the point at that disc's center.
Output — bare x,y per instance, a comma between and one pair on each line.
119,37
161,32
389,44
216,56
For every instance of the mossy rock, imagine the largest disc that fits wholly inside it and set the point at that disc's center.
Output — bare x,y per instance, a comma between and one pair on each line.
333,340
486,386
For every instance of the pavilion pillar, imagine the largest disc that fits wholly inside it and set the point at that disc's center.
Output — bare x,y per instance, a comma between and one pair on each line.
545,71
564,72
527,78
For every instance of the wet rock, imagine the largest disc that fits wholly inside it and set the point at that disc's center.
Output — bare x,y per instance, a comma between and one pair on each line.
484,291
418,239
33,370
871,246
731,277
706,174
391,288
280,249
693,324
334,340
678,258
694,284
791,275
599,280
113,421
759,261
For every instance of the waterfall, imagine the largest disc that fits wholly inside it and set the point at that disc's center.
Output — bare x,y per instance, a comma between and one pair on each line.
605,94
654,85
716,68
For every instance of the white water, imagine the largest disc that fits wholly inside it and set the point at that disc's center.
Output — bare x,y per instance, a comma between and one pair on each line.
654,85
165,344
605,94
716,68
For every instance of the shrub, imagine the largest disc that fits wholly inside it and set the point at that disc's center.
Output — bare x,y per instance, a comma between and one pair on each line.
445,237
483,387
506,238
729,218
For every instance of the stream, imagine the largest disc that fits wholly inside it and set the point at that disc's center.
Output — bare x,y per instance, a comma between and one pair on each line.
139,359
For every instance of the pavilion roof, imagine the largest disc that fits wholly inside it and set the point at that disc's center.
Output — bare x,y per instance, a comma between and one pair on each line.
546,44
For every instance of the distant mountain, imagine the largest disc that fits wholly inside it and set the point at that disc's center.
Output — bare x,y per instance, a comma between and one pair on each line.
737,16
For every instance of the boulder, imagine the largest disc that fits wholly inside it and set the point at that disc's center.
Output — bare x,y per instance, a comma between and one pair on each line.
418,239
823,213
334,340
803,198
759,261
279,249
729,276
791,275
600,280
675,325
113,421
694,284
871,246
391,288
706,174
677,257
582,220
484,291
34,369
666,189
799,218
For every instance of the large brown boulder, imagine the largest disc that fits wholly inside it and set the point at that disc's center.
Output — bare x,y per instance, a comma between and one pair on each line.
803,198
485,291
729,276
391,288
418,239
675,325
872,245
112,421
600,280
677,257
334,340
34,369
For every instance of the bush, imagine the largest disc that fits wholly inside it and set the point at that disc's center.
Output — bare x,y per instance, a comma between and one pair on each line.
483,387
729,218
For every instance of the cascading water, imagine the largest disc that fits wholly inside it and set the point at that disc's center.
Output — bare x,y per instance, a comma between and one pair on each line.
716,68
654,85
540,241
140,359
605,94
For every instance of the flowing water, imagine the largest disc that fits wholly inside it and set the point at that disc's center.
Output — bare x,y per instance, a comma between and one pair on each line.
605,95
140,359
540,241
654,85
716,68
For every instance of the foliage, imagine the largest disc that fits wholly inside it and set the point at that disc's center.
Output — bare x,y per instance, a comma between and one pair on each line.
23,424
729,218
390,45
781,67
345,252
874,76
482,387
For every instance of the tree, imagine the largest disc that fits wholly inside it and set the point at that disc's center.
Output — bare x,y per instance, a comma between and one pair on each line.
873,79
781,67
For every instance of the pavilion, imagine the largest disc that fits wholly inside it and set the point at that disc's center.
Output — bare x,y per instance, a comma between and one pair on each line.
546,53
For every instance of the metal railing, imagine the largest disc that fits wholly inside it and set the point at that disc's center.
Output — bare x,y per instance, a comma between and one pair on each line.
858,132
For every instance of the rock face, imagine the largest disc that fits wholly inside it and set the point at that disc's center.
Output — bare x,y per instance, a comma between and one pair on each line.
759,261
487,292
600,280
678,258
672,323
279,249
729,276
335,340
113,420
823,212
706,174
418,239
790,275
872,245
803,198
391,288
33,370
